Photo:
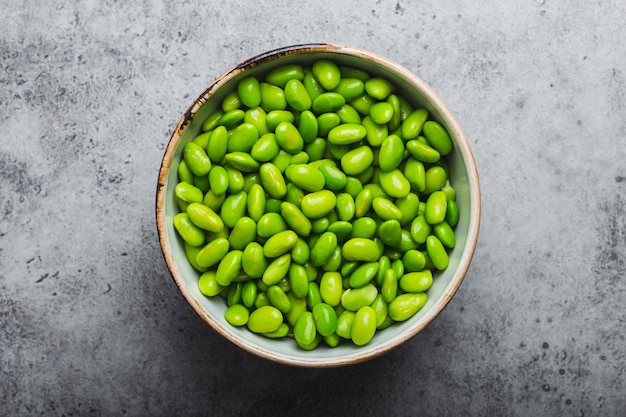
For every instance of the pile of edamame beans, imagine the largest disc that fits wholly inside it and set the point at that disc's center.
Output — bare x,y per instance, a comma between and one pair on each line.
317,203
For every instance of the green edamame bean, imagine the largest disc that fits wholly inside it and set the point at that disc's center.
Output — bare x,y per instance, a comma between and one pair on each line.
313,87
344,324
452,213
242,162
326,122
316,149
364,274
396,118
345,207
436,206
282,331
445,234
346,134
253,260
331,288
300,252
298,280
265,319
278,298
351,72
318,204
328,102
438,137
202,139
390,232
196,159
409,206
304,330
422,152
406,305
235,180
298,306
280,243
378,88
363,202
353,299
360,249
295,218
257,117
234,208
261,299
353,186
415,172
237,315
232,118
184,173
391,153
306,177
420,229
416,282
347,114
242,138
363,103
435,178
325,319
381,112
218,144
276,117
229,267
414,260
205,218
389,286
213,252
187,230
211,122
398,267
202,183
342,229
288,138
323,248
272,180
256,202
333,263
266,148
406,242
190,253
381,308
363,326
350,88
282,160
296,95
412,125
385,209
437,252
188,192
272,97
364,227
384,263
279,76
376,133
394,183
313,296
308,126
270,224
208,285
334,179
218,179
231,102
249,293
327,73
249,92
357,160
277,270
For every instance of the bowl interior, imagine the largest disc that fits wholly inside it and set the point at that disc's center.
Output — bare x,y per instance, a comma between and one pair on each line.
463,176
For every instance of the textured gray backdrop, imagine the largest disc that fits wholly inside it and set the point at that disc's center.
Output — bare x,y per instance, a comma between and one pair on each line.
91,322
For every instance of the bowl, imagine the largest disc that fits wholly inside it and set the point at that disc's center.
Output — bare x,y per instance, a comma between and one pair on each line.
463,175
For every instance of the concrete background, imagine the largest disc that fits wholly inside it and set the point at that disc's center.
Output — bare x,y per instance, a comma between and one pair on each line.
91,322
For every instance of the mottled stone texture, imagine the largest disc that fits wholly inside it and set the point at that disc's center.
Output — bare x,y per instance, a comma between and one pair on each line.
91,322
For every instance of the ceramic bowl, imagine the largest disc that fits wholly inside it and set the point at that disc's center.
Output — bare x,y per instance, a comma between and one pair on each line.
463,175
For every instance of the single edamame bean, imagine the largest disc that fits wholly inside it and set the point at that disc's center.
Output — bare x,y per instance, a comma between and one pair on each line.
288,138
266,148
296,95
249,92
323,248
389,286
205,218
318,204
363,326
354,298
277,270
307,126
253,260
282,331
325,319
326,122
334,178
422,152
391,153
390,232
415,172
272,97
237,315
278,298
413,260
306,177
378,88
208,285
359,249
187,230
257,117
213,252
437,252
234,208
346,134
331,288
249,293
279,76
218,144
452,213
412,125
265,319
242,162
364,274
381,112
345,207
437,137
327,73
436,206
347,114
350,88
272,180
196,159
270,224
381,308
385,209
328,102
406,305
304,330
445,234
395,184
232,118
298,280
416,282
376,133
296,219
344,324
420,229
280,243
229,267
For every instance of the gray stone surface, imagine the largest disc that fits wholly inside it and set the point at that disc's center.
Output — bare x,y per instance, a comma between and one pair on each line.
91,322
